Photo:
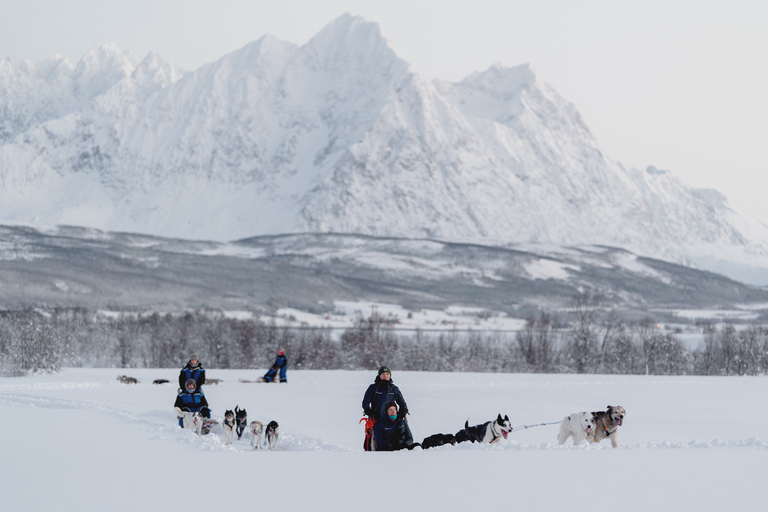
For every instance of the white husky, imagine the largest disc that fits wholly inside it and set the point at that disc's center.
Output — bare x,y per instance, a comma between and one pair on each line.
257,428
579,425
191,420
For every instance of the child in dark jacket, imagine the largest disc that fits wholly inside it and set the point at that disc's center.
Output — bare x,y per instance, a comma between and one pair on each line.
192,400
391,431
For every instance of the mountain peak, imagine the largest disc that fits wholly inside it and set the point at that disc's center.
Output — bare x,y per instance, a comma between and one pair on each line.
351,41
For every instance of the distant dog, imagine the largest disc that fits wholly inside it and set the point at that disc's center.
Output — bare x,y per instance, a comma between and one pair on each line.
488,432
191,420
242,421
160,381
257,429
127,380
229,427
608,423
272,433
438,440
579,426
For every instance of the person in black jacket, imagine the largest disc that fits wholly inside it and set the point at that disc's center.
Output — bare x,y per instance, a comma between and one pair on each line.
281,365
193,370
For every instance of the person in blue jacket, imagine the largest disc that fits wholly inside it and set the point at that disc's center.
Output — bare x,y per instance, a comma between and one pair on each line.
281,365
391,432
193,370
193,400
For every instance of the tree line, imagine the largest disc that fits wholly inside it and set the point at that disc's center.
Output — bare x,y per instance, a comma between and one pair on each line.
590,341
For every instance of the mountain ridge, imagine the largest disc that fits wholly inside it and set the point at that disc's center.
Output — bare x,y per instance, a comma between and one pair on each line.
338,135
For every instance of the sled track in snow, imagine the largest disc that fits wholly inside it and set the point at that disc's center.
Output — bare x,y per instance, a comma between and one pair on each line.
162,424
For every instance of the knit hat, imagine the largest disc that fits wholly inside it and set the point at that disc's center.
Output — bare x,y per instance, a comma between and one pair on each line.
383,369
194,357
190,382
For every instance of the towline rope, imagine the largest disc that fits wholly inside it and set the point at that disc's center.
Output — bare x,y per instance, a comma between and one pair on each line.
525,427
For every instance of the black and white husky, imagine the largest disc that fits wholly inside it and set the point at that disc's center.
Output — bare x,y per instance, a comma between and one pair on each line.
488,432
242,421
272,433
229,427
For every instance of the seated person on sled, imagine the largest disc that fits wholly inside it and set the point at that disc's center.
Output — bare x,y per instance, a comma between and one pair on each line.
192,400
391,432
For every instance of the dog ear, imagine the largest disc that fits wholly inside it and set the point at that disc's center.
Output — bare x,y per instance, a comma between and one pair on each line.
610,407
499,420
506,417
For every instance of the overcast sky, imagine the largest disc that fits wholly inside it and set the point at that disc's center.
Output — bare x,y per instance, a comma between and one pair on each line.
681,85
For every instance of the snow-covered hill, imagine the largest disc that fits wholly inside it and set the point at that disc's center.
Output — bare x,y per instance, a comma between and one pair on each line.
338,135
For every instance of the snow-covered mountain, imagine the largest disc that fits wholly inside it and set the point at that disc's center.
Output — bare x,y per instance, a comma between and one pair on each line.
337,135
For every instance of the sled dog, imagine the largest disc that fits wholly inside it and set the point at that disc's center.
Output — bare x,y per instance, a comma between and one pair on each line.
579,426
229,427
488,432
608,423
191,420
242,421
257,429
272,433
438,440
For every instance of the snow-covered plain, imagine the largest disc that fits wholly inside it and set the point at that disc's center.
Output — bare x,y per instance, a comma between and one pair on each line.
80,440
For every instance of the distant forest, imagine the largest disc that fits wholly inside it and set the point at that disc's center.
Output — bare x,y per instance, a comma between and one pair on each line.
593,341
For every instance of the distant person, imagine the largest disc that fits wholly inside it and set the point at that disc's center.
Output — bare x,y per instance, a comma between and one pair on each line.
191,399
193,370
382,392
281,365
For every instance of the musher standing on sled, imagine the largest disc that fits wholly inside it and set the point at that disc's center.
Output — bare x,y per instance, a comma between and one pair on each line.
281,364
380,393
193,370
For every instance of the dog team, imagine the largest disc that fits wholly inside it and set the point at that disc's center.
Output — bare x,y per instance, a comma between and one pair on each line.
386,425
193,412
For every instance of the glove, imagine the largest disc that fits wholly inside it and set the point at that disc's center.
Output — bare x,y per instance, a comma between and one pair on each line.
401,413
368,412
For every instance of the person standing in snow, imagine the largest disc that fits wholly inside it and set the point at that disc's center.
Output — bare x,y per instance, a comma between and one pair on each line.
382,392
193,370
281,365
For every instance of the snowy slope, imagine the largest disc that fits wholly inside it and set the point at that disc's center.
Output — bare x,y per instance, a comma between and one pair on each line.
79,440
337,135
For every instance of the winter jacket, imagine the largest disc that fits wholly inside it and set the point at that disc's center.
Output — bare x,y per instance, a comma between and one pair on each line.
193,402
196,372
391,435
380,393
281,364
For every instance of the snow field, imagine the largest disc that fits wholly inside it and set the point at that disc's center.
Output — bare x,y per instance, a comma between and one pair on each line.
80,440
